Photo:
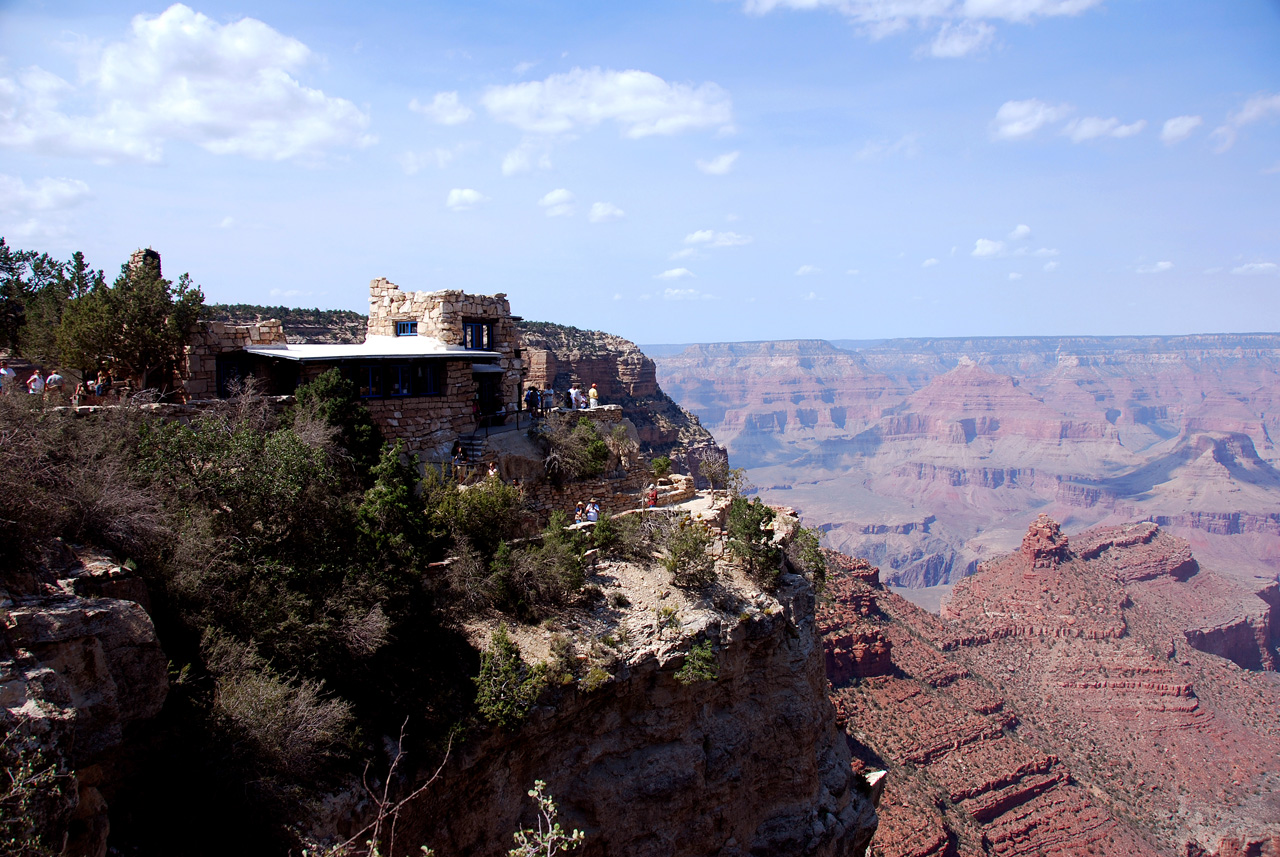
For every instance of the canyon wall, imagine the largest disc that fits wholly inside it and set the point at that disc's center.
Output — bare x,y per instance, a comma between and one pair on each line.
750,763
927,456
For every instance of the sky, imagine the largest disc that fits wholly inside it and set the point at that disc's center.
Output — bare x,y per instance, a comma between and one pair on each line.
674,170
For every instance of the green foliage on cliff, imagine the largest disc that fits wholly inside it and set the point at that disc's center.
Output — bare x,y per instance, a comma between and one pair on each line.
507,687
684,553
699,665
577,452
750,539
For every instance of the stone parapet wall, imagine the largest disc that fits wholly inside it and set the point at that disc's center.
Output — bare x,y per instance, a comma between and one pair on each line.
429,424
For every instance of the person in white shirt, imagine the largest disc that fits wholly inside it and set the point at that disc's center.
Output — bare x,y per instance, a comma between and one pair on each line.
35,384
7,375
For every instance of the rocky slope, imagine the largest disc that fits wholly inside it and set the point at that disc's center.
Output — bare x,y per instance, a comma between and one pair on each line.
1068,701
927,455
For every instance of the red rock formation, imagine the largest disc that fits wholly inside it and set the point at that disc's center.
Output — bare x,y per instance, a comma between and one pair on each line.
1009,729
1044,545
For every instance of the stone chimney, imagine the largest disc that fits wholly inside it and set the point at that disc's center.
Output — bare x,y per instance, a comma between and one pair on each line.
140,258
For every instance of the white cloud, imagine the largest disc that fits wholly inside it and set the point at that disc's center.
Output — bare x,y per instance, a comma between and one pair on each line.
47,194
558,203
38,211
1156,268
605,212
879,18
674,274
711,238
617,296
522,67
1257,108
929,263
464,198
444,109
525,157
1020,232
961,40
1257,268
1014,275
1043,251
1051,266
642,104
986,247
415,162
685,295
1179,128
852,272
1018,120
908,146
686,253
807,270
180,75
1093,127
720,165
226,222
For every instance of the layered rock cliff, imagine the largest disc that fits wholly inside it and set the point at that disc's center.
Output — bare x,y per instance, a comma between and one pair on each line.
1060,704
557,357
81,670
927,456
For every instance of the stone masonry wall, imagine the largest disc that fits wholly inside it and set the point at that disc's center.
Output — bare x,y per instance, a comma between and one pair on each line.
441,314
199,367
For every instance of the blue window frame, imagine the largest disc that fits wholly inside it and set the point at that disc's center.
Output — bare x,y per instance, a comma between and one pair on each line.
399,380
429,380
369,381
406,328
477,335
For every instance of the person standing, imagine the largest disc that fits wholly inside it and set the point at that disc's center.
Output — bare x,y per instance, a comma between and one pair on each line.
54,385
35,384
593,396
7,376
593,510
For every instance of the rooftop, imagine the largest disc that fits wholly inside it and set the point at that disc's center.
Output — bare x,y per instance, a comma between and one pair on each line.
373,347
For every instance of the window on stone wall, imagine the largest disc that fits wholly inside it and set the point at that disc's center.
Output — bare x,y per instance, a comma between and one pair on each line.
429,379
477,335
399,380
369,381
406,328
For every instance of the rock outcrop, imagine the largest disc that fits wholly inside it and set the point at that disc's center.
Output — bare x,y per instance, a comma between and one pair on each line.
1063,709
80,667
749,763
558,357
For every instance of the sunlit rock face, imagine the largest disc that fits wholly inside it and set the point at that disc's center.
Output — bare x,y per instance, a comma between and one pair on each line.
1094,692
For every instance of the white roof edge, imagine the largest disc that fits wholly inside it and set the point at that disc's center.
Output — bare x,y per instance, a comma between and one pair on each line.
374,347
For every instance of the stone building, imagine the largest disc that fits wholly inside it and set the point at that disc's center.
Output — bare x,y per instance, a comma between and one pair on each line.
433,365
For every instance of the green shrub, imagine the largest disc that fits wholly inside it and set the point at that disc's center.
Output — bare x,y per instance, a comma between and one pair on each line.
575,453
684,553
750,538
333,400
550,838
805,552
660,467
699,665
596,678
507,687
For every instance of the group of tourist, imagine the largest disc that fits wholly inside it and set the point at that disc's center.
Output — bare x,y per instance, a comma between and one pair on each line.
589,511
538,402
53,384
